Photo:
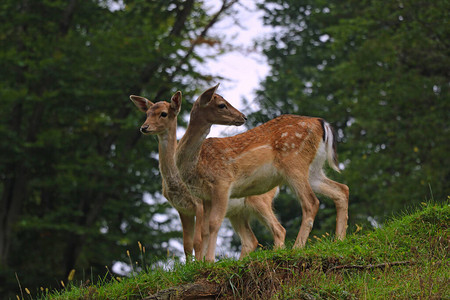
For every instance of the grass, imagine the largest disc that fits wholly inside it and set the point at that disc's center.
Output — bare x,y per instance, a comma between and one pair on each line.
356,268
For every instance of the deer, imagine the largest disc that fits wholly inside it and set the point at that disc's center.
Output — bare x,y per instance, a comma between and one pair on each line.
161,120
289,149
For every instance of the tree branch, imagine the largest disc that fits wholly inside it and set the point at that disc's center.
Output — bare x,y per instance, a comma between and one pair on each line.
369,267
67,17
181,18
225,5
145,77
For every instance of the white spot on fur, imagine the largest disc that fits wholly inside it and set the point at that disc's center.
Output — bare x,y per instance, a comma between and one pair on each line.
284,134
292,145
255,150
299,135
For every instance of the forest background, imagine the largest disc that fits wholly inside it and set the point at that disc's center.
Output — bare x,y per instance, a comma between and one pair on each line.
75,171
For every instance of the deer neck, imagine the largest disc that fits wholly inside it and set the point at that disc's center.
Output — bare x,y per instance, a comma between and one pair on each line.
167,146
188,150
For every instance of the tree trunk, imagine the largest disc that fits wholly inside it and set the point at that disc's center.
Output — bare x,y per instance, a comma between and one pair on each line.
14,192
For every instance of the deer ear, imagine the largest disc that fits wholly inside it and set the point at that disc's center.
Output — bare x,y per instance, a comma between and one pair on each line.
142,103
207,95
175,102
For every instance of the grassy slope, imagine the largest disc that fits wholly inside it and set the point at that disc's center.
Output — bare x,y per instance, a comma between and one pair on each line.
352,269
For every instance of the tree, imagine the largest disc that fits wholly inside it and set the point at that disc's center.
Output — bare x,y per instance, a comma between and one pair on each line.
73,169
377,70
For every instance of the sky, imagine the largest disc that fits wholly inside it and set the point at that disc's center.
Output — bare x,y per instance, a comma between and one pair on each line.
243,69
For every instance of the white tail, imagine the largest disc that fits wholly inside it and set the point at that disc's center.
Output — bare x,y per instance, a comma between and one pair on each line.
286,150
330,141
162,121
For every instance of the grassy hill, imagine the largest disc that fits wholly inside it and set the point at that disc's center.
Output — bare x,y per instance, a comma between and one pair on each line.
406,259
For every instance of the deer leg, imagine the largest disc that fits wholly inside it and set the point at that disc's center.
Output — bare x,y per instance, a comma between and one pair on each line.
188,222
205,228
262,207
198,240
339,194
241,224
310,206
219,204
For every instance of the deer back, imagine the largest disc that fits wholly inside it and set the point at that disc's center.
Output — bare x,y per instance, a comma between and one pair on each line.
257,160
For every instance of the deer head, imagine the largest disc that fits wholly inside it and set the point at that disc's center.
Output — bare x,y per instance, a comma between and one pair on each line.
212,108
160,115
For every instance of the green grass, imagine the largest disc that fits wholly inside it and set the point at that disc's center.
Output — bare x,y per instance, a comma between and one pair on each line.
325,269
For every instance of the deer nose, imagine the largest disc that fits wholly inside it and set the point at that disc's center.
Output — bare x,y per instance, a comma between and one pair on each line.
144,128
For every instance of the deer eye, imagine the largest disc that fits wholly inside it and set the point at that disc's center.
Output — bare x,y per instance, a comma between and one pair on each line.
163,114
222,105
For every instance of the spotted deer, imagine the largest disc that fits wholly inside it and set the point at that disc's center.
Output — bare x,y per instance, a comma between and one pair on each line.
289,149
162,121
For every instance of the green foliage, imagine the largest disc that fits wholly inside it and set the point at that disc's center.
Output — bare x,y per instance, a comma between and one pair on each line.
362,266
73,166
378,71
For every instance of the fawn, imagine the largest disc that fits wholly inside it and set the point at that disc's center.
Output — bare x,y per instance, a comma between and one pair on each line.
289,150
162,121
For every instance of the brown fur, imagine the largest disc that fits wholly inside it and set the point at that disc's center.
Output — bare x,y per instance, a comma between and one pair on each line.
286,150
190,207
